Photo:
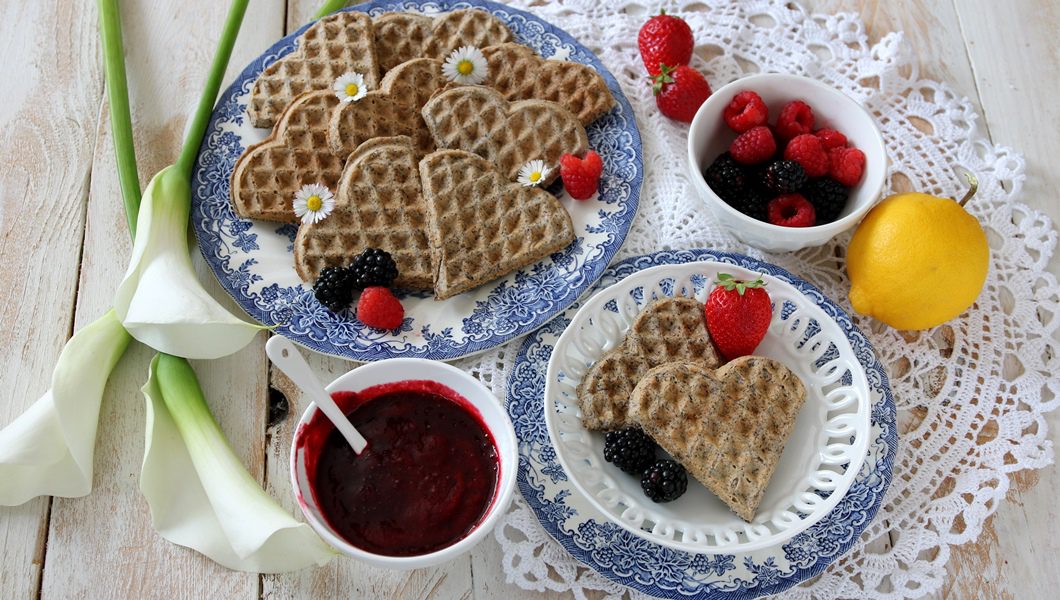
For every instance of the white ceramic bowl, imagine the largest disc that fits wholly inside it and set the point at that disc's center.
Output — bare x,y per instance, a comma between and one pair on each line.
708,137
492,414
821,457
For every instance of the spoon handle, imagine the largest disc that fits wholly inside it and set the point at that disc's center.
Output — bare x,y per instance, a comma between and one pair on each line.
285,355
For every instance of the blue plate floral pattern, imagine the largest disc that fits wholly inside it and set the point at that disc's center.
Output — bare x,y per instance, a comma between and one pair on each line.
253,259
660,571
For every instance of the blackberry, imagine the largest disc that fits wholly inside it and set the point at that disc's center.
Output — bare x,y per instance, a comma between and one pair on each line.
726,177
629,449
373,267
664,481
334,288
751,202
784,177
828,197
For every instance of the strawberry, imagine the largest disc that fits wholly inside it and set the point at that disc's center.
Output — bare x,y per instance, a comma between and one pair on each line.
665,39
738,314
680,91
581,176
380,309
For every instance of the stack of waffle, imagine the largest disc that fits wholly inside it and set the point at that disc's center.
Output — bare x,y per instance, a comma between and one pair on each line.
419,166
726,423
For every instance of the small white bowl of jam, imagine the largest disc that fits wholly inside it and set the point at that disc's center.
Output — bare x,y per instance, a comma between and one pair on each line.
438,472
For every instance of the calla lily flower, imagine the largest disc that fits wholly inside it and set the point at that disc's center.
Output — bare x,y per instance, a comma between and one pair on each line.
48,450
198,491
161,302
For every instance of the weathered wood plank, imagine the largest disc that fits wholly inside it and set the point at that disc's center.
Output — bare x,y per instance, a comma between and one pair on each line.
103,546
1015,54
46,142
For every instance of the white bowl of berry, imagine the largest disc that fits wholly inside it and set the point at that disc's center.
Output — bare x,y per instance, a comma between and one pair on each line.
785,162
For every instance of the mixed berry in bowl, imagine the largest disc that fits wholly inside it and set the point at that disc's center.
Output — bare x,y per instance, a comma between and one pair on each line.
789,172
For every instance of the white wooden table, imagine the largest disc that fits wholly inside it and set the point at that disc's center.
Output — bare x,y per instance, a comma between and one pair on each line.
64,248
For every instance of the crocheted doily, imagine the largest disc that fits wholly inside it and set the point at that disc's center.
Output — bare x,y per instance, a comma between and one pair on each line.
971,394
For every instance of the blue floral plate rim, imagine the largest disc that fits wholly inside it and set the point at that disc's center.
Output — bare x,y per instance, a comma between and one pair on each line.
629,560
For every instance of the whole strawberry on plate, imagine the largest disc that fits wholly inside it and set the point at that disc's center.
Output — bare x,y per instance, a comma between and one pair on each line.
665,40
680,91
738,313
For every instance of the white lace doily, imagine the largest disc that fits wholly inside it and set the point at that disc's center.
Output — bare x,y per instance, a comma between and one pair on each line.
971,394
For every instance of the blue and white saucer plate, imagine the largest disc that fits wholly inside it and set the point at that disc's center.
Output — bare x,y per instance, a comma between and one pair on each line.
253,260
657,570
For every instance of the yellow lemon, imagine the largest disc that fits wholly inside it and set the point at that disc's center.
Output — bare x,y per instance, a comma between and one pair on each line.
917,261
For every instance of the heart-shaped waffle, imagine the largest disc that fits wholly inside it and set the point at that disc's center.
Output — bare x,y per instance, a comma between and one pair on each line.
378,205
518,73
400,37
393,109
269,173
482,226
332,46
478,119
727,427
667,330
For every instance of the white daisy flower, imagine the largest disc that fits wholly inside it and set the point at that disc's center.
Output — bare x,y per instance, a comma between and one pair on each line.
350,87
313,203
533,173
465,65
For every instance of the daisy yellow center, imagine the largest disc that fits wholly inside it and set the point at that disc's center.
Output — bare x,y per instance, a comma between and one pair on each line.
314,203
352,89
465,67
535,176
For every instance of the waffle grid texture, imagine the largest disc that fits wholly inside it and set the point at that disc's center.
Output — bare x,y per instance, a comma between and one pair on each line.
481,225
667,330
269,173
378,205
727,427
332,46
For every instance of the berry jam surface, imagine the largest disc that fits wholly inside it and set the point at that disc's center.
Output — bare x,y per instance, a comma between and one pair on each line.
425,481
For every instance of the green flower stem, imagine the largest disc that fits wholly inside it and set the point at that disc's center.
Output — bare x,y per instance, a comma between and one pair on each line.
213,86
120,116
329,7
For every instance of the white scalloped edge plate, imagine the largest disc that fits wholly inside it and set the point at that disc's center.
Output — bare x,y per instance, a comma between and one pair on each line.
820,460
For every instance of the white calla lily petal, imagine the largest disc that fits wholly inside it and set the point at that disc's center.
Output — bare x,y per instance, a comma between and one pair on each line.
161,302
199,493
48,450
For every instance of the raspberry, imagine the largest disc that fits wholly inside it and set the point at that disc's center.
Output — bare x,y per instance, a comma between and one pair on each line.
753,146
664,481
806,150
796,118
629,449
725,177
581,176
746,110
784,177
828,197
791,210
830,138
380,309
846,165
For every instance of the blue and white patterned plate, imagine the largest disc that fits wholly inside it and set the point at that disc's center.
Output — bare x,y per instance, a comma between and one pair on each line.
660,571
254,263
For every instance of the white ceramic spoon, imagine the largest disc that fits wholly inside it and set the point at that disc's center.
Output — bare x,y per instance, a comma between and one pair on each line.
285,355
